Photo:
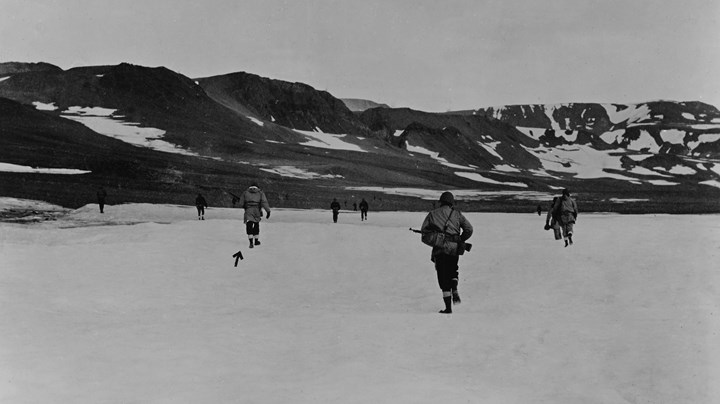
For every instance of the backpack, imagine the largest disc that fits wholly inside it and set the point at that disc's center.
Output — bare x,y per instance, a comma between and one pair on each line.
437,237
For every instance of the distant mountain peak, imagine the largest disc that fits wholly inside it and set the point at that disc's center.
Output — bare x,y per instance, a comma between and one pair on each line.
360,105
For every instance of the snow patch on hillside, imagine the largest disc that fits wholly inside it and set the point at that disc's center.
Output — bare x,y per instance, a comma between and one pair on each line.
662,182
631,114
644,142
639,157
323,140
460,194
104,122
581,160
256,121
644,171
480,178
434,155
533,133
506,168
712,183
704,138
612,136
90,111
549,109
295,172
4,78
673,136
40,106
14,168
624,200
491,148
682,170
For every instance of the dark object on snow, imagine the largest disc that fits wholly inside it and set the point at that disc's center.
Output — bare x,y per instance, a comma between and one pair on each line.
363,209
101,195
238,256
200,204
335,206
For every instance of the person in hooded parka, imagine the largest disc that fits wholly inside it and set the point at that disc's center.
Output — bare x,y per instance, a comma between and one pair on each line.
253,200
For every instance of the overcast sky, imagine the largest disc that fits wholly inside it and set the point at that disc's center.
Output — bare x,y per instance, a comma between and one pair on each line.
427,55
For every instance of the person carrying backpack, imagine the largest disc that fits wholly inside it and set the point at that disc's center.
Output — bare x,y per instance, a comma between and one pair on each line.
253,200
552,221
446,229
564,212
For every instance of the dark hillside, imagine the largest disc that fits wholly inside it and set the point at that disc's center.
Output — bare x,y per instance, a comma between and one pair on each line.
39,139
9,68
292,105
154,97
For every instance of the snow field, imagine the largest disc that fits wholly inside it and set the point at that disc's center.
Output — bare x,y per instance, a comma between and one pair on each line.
155,312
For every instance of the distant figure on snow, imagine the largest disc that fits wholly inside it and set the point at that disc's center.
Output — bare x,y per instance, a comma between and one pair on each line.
363,210
253,200
335,206
565,209
446,230
101,195
539,210
200,204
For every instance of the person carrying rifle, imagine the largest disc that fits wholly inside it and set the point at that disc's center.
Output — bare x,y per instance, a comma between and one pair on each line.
446,229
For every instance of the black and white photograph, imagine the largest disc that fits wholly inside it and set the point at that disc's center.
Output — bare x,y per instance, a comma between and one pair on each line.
339,201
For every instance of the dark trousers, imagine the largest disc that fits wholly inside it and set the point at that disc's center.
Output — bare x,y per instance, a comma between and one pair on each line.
447,271
201,210
335,215
363,214
101,203
253,228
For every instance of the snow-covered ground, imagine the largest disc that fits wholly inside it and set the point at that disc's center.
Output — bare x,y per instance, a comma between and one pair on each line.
142,304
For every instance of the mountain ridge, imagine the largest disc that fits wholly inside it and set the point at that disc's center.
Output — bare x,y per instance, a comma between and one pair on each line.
306,142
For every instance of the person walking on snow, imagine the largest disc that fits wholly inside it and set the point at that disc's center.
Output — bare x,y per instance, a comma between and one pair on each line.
565,210
101,195
335,206
253,200
552,222
200,204
363,209
446,230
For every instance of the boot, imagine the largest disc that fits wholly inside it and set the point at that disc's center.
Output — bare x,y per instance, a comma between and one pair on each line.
570,238
251,244
456,297
448,305
257,242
